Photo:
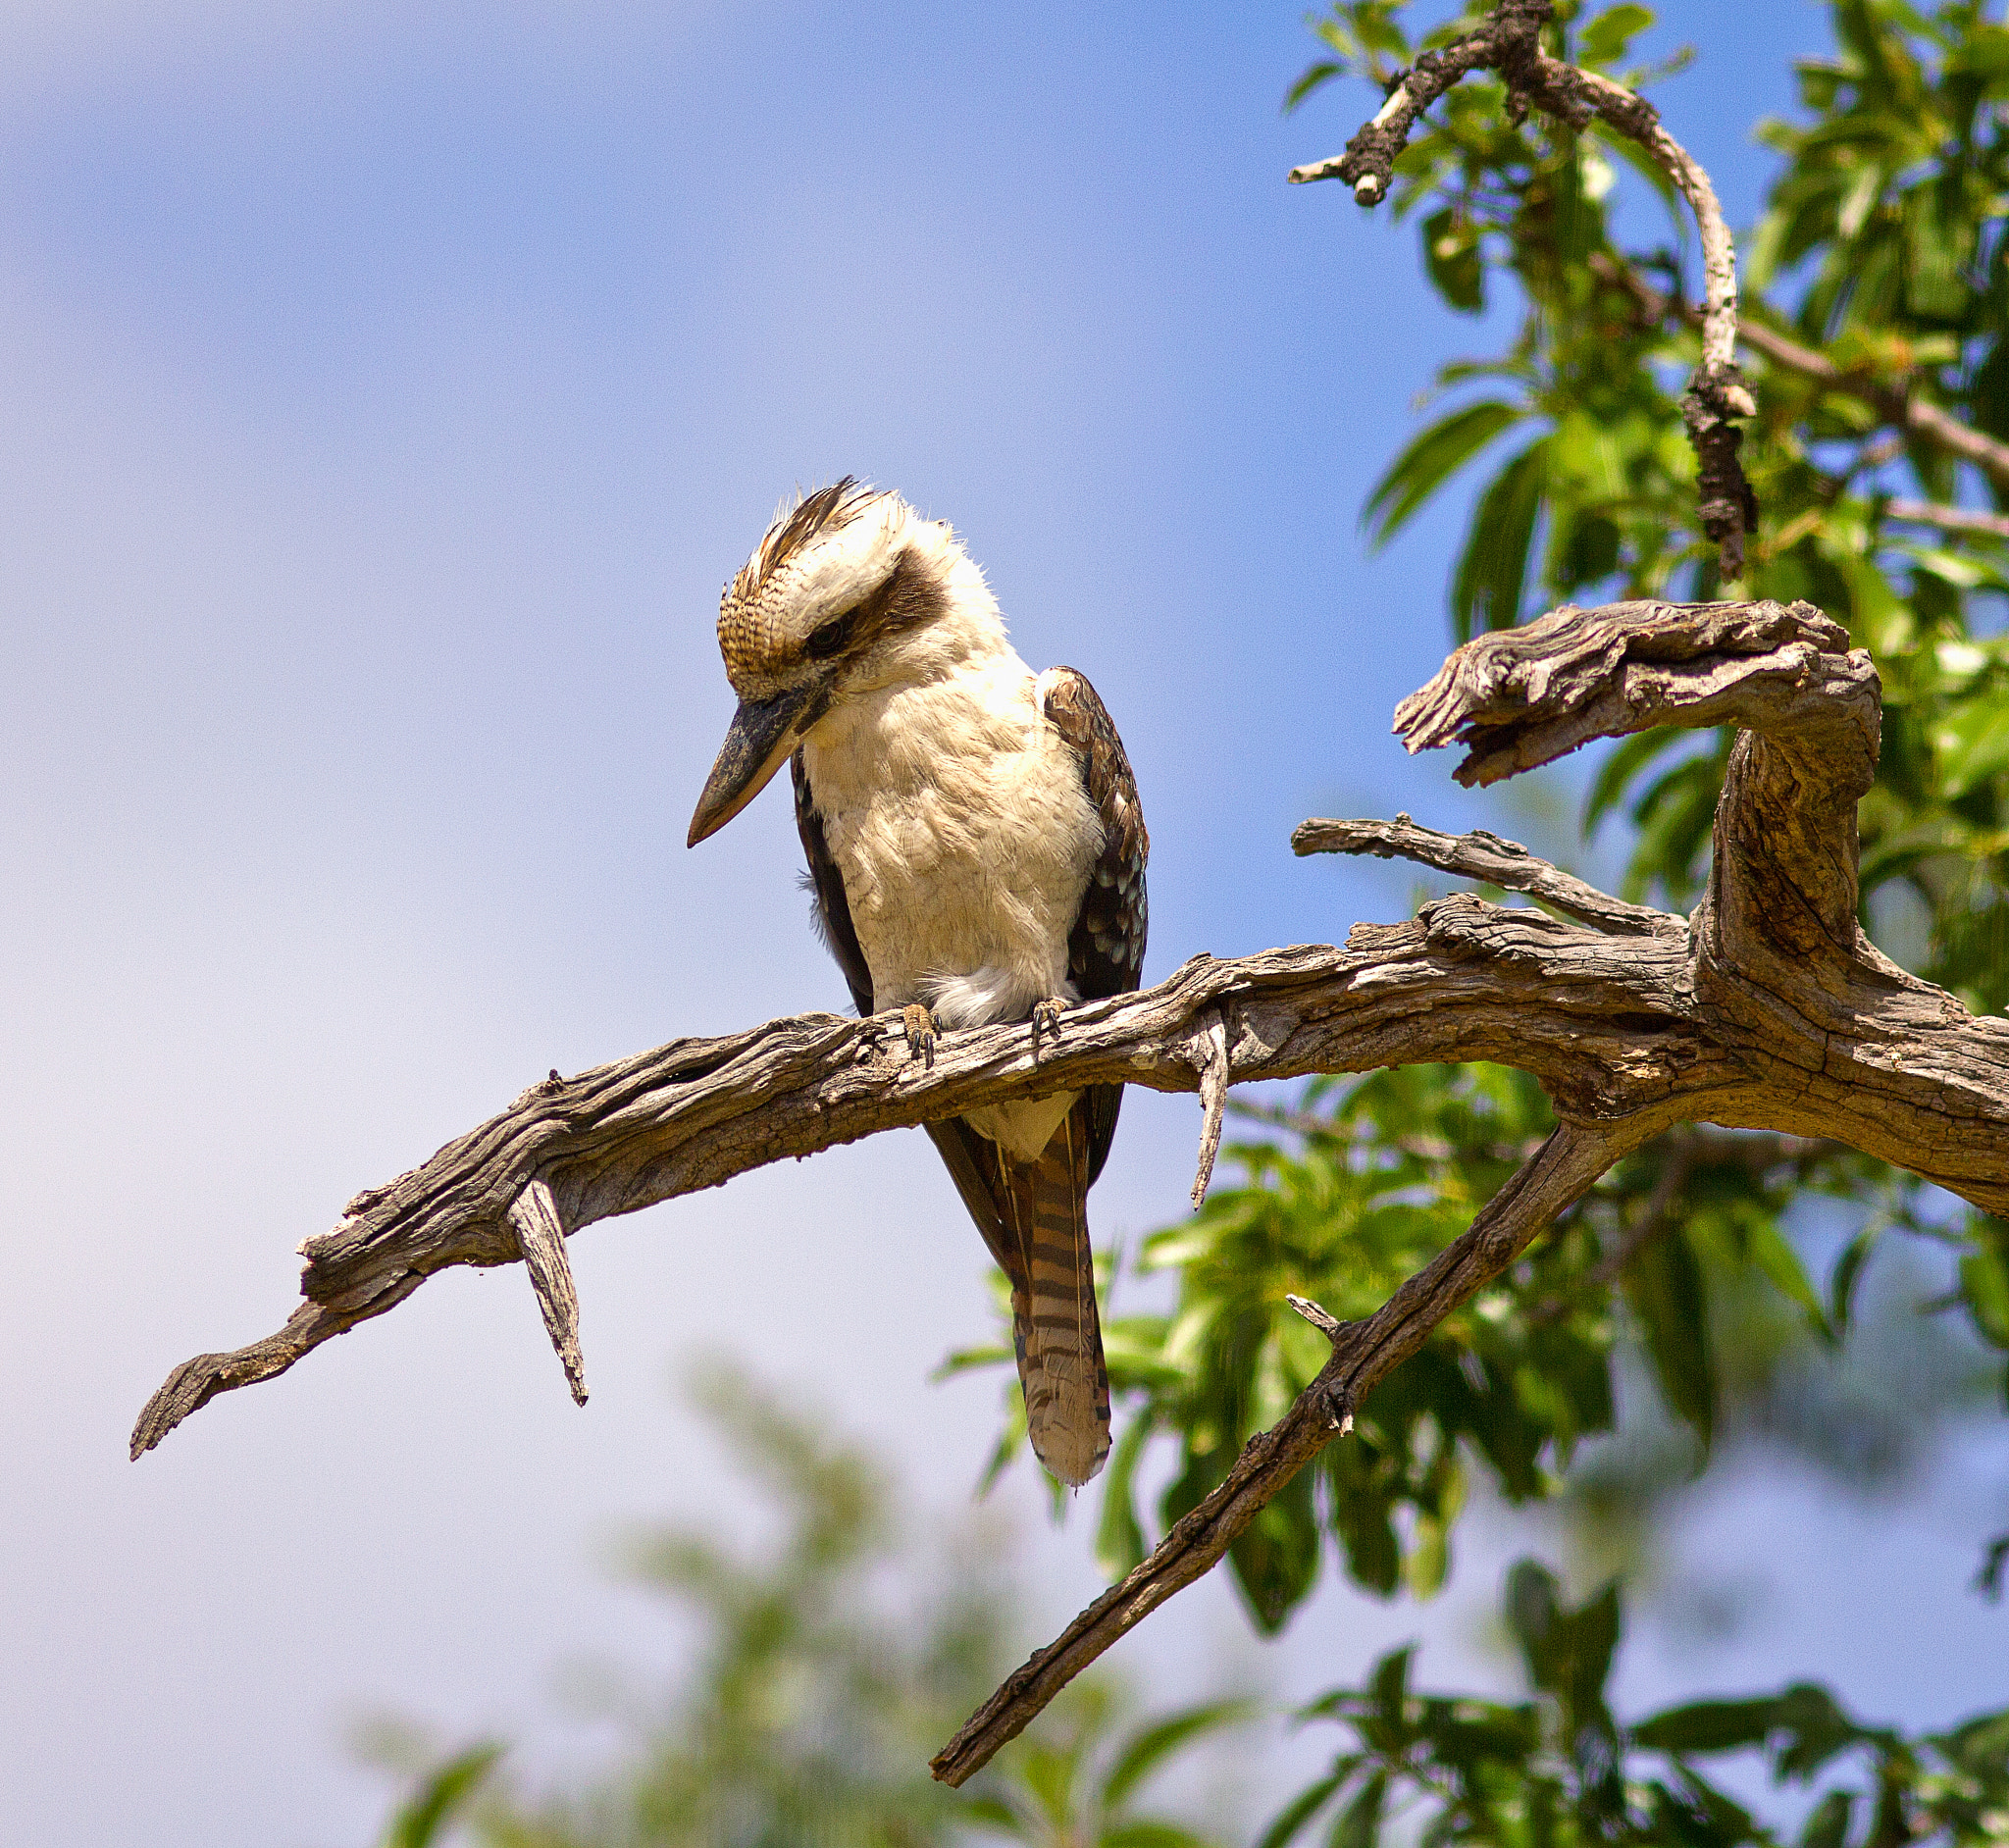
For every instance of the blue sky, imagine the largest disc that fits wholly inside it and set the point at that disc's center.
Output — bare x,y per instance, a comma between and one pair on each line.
387,389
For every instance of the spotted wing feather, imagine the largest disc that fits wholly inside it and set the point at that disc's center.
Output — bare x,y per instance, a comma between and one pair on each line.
1106,948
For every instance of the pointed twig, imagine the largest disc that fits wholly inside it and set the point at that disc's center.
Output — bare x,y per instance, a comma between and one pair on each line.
1214,1065
540,1235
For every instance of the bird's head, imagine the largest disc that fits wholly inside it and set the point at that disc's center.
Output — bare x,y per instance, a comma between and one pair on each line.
839,590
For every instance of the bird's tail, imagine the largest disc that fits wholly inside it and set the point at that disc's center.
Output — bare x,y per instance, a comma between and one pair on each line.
1055,1325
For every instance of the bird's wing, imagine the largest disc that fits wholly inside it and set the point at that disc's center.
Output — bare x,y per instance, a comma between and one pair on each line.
1106,948
832,913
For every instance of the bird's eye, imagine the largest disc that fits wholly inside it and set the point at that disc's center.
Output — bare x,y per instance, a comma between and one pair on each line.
827,638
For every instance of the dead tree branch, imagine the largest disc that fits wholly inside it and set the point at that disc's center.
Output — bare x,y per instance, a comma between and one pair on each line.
1790,1020
1768,1010
1509,43
1565,1165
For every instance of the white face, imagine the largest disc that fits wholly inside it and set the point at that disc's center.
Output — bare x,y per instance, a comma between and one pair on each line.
841,579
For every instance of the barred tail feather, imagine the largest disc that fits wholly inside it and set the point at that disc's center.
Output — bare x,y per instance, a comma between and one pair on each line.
1058,1334
1033,1218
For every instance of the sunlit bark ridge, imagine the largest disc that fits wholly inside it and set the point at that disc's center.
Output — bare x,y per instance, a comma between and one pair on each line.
1769,1009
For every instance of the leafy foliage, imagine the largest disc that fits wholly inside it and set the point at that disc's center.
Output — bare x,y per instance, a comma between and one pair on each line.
817,1698
1678,1255
1558,1769
1883,230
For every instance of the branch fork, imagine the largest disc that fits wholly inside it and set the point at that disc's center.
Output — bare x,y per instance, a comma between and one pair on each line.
1768,1010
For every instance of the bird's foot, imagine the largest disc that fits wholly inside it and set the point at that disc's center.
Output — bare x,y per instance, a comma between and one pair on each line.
1046,1018
919,1024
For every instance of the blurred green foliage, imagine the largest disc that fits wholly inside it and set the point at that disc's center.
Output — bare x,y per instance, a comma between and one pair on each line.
1558,1769
828,1669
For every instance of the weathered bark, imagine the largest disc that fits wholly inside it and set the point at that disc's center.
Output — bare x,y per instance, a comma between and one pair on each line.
1768,1009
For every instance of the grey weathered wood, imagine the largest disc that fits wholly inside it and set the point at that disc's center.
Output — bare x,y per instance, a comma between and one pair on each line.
1489,858
1768,1009
540,1237
1211,1058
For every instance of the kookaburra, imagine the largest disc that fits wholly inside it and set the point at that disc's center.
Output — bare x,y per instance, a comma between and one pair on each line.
976,854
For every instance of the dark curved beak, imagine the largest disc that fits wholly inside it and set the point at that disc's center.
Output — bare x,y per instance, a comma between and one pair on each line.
762,734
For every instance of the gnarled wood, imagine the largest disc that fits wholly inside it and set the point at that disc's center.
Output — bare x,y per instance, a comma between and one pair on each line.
1768,1010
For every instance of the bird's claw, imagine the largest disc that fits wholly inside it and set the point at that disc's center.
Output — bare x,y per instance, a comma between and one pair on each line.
919,1025
1046,1018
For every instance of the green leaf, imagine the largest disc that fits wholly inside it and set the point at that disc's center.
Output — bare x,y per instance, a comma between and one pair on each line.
1664,1285
1984,1282
1491,577
1625,762
439,1801
1154,1743
1452,258
1299,1811
1149,1834
1781,1265
1828,1826
1606,38
1848,1270
1710,1727
1431,456
1359,1823
1533,1606
1275,1558
1314,78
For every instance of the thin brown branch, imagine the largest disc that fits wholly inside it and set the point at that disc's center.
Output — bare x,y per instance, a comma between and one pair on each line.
1902,406
1489,858
1510,42
1949,518
1362,1353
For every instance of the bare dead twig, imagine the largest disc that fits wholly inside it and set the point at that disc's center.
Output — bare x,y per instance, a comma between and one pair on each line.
1490,859
1510,42
1949,518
